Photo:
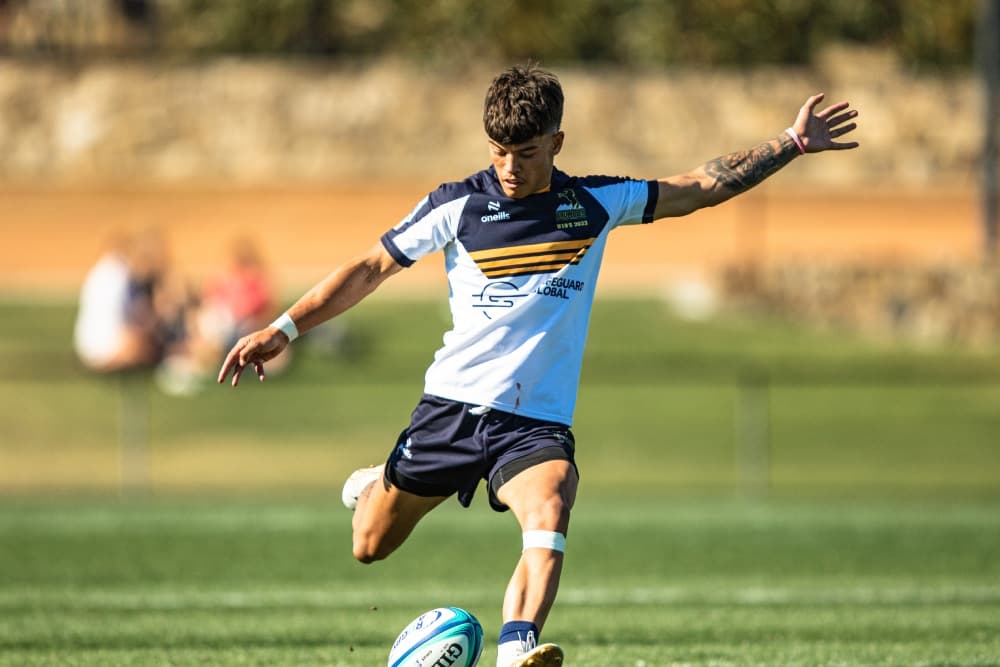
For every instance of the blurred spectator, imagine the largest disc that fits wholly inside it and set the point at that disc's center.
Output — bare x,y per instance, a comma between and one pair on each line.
233,303
133,309
238,301
113,328
135,312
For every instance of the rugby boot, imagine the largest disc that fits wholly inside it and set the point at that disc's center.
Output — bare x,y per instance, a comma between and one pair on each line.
543,655
358,482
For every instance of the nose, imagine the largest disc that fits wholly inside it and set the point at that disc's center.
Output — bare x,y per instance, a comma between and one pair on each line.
511,164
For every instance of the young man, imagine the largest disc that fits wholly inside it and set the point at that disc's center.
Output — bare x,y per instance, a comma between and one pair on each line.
523,244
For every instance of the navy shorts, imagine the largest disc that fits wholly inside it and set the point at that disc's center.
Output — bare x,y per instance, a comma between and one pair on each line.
447,449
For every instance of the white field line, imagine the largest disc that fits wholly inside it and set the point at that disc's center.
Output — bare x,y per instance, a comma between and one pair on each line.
747,596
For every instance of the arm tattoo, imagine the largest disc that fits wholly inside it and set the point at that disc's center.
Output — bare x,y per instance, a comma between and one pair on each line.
740,171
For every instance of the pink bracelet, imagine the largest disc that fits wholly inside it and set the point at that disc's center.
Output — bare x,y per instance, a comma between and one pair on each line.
798,142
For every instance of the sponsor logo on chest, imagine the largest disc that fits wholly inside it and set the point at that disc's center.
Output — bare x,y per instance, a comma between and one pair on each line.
560,288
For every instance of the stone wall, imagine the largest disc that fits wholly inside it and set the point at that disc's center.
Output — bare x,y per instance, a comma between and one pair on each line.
279,122
233,121
955,305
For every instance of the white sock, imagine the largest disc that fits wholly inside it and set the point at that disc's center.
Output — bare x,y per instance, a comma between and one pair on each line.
516,639
508,652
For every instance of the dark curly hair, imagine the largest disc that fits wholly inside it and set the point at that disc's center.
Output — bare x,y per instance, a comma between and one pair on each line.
523,102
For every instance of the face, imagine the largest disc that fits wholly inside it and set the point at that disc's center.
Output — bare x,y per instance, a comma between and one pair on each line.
525,169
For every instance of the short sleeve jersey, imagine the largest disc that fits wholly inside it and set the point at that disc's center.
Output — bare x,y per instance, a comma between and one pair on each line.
521,274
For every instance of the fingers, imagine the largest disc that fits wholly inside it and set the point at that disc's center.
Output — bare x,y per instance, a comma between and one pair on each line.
832,122
242,355
837,128
237,371
842,118
813,101
806,114
258,367
832,109
839,131
232,360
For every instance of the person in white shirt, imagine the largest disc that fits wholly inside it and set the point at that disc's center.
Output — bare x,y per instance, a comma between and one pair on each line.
108,334
523,244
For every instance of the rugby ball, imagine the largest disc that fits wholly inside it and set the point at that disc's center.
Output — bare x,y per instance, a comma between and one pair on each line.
443,637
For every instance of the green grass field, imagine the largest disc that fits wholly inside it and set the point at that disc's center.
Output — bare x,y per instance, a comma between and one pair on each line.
654,582
862,528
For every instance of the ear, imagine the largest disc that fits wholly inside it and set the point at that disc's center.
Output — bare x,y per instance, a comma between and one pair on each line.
557,142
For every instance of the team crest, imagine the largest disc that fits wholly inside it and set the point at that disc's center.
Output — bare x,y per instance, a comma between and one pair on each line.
570,213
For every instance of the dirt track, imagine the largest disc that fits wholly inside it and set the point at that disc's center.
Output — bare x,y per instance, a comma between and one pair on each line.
51,237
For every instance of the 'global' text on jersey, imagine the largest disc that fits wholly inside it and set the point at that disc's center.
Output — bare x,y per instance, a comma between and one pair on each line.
558,287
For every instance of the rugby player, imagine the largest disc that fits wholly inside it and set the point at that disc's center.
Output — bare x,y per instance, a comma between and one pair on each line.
523,243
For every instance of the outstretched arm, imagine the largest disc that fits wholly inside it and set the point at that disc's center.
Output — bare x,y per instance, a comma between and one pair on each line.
347,285
729,175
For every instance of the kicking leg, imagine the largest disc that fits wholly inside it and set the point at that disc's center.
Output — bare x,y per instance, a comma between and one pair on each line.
384,517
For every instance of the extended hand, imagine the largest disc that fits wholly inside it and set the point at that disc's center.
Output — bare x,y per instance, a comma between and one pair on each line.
818,130
254,350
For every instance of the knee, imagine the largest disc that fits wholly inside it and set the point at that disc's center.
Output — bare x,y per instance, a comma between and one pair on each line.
369,548
552,514
365,557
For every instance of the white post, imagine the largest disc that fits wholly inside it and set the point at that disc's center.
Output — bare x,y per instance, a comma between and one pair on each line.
133,432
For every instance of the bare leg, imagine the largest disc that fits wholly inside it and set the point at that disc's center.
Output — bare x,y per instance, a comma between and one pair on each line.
384,518
541,498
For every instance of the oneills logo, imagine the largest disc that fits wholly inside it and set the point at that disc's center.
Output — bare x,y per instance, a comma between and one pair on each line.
498,214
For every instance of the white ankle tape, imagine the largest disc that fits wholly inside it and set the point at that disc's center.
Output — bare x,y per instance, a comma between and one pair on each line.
544,539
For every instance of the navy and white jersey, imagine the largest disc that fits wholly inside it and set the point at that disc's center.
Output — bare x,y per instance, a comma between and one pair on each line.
521,274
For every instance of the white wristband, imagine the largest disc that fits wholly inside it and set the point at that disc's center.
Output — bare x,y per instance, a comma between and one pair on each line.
287,326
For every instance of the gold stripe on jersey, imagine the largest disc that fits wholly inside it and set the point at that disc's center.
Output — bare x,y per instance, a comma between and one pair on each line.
532,258
551,258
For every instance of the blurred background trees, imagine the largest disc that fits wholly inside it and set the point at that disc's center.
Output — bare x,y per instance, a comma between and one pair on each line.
636,33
